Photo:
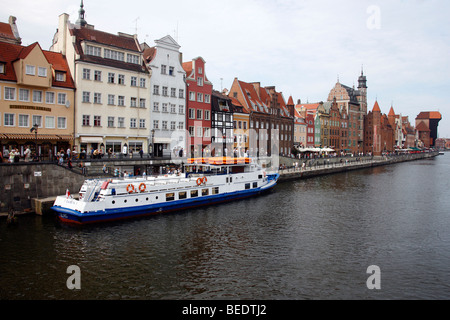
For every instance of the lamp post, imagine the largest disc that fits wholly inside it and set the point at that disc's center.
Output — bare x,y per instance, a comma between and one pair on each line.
34,129
153,143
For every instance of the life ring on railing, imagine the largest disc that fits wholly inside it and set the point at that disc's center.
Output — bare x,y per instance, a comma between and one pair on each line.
142,187
130,188
205,180
202,180
199,181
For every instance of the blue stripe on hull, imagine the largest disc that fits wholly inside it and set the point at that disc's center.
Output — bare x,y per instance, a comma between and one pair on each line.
71,216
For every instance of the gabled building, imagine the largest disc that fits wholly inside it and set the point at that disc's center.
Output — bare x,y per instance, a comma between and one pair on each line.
224,126
199,91
36,100
430,121
113,87
379,135
168,97
9,32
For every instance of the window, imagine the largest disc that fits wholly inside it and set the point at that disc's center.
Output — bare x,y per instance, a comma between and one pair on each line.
191,113
192,96
156,89
155,124
121,122
164,125
37,120
199,132
121,79
86,120
42,72
181,93
247,186
205,192
255,184
24,95
133,102
170,196
163,69
142,103
60,76
181,109
207,117
171,71
165,91
10,93
173,125
30,70
180,125
97,75
142,123
111,99
142,82
37,96
182,195
200,81
24,120
61,98
132,58
199,114
114,55
86,96
207,98
133,122
97,98
2,68
206,132
111,122
121,101
199,97
50,97
194,193
133,81
156,106
62,123
49,122
93,51
173,108
215,190
87,74
97,121
192,131
9,119
173,92
164,107
111,77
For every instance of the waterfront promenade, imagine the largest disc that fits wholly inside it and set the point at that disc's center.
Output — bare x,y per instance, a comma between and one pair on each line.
32,187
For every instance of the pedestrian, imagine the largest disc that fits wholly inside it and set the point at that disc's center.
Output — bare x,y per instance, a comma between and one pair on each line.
141,152
27,154
104,169
69,164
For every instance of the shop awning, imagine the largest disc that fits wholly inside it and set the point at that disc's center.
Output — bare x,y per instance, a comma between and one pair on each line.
162,140
91,139
32,137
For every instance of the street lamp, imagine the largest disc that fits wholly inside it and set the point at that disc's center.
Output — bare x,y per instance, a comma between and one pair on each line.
34,129
153,143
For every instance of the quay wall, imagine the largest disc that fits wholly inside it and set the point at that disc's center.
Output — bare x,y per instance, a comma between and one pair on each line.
322,166
24,187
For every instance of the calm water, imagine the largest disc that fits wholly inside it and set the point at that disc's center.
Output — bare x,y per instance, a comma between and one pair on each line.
311,239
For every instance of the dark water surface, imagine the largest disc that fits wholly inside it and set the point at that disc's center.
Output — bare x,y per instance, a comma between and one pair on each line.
310,239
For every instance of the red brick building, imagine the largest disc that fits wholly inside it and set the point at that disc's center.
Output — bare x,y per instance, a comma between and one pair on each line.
198,115
379,135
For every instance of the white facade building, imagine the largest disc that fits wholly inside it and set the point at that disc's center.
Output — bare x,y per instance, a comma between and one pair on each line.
112,99
168,97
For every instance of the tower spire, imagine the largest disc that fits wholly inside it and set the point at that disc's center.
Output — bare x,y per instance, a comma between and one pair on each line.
81,22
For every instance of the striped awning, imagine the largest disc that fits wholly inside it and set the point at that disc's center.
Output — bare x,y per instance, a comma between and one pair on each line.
30,136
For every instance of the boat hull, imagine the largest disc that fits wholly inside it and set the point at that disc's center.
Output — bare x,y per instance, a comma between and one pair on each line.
71,216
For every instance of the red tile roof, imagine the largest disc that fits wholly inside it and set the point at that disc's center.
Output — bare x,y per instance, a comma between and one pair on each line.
12,52
376,107
6,31
429,115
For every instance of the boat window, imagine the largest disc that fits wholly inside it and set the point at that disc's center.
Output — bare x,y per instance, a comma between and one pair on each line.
182,195
260,176
255,184
205,192
194,193
170,196
215,190
247,186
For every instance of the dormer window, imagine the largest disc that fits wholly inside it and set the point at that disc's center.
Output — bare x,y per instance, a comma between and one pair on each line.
60,76
2,68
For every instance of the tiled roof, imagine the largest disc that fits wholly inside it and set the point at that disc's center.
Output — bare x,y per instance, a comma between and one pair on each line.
422,127
391,112
429,115
12,52
6,31
376,107
187,66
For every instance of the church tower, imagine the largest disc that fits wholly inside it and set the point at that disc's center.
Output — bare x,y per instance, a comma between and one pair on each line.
362,87
81,22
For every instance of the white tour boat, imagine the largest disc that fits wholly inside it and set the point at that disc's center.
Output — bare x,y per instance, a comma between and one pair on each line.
206,181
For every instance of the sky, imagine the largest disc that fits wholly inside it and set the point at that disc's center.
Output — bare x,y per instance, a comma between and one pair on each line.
302,47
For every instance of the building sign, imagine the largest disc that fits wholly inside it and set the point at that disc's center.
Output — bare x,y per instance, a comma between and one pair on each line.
14,106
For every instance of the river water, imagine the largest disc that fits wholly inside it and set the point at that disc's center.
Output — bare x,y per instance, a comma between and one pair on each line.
308,239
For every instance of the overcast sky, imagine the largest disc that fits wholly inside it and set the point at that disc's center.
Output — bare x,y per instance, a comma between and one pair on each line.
301,47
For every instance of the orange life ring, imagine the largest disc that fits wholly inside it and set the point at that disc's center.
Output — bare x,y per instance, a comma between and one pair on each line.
202,180
199,181
130,188
142,187
205,180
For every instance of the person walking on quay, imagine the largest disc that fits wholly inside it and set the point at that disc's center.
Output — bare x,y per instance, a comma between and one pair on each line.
27,154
